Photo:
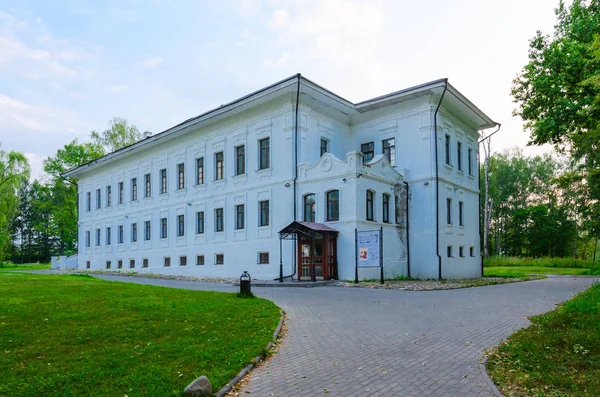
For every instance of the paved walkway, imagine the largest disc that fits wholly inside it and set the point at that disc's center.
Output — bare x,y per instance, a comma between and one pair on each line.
358,342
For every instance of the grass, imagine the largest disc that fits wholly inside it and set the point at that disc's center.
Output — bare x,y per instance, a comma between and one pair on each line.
558,355
24,266
74,335
502,266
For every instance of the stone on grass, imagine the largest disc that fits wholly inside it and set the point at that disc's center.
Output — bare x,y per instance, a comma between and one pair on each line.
199,388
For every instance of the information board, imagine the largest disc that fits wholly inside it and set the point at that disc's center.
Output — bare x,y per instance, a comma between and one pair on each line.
368,248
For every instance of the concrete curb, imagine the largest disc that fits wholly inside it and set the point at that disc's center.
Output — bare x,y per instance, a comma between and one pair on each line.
227,388
487,378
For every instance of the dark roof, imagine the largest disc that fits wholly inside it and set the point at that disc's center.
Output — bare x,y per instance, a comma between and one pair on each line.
311,229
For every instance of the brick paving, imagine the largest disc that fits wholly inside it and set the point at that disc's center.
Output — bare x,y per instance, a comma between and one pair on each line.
359,342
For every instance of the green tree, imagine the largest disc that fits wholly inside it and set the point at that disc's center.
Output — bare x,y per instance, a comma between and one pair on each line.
119,134
61,198
14,168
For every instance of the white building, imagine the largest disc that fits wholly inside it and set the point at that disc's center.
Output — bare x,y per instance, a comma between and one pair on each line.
208,197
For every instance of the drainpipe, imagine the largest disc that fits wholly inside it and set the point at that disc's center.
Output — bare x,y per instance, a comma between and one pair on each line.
437,183
295,254
407,234
479,188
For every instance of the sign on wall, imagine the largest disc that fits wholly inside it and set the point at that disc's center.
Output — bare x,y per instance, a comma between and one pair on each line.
368,248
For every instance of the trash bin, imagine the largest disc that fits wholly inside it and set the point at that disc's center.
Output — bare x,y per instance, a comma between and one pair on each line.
245,284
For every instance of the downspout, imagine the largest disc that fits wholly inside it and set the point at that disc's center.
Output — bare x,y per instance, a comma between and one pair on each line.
437,183
295,160
479,189
407,234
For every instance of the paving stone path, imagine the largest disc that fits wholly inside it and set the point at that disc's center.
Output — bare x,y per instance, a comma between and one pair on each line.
361,342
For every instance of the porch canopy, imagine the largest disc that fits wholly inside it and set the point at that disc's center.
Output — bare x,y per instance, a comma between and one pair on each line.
312,231
308,229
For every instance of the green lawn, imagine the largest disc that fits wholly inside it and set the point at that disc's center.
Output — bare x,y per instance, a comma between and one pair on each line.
73,335
504,266
558,355
521,271
25,266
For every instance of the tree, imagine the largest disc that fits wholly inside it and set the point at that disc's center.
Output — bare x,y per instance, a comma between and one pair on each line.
119,134
62,192
14,168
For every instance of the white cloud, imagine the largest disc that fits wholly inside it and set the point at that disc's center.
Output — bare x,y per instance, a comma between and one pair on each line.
116,88
282,60
151,62
38,20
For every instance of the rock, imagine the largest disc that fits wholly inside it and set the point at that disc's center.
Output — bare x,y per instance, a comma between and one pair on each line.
201,387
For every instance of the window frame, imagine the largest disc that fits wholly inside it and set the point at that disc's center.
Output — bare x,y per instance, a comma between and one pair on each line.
332,212
121,192
131,263
240,216
147,185
134,232
88,202
164,188
198,257
261,259
164,228
220,262
88,239
180,176
180,225
370,205
147,231
325,147
447,144
470,161
240,160
183,260
219,166
200,171
449,211
264,154
108,195
313,206
368,151
133,189
459,164
120,236
385,204
389,151
461,213
200,222
98,199
264,211
219,220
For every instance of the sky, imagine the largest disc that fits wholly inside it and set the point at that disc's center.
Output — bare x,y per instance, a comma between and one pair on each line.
67,67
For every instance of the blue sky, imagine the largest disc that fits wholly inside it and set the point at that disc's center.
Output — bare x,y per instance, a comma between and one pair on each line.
67,67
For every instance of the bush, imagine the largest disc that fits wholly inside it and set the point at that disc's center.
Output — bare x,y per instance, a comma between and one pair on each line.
539,262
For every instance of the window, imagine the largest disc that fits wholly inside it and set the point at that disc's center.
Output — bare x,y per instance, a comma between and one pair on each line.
148,184
120,264
131,263
263,258
163,181
183,261
448,149
461,214
461,251
472,251
167,261
97,237
333,205
108,264
370,199
87,238
98,199
133,189
219,259
163,228
199,260
389,150
180,225
180,176
264,156
108,236
449,211
133,232
385,214
120,237
459,156
449,251
470,161
264,213
88,201
368,151
88,264
324,146
200,171
219,171
121,189
218,219
147,231
239,216
309,208
200,222
108,196
144,262
240,160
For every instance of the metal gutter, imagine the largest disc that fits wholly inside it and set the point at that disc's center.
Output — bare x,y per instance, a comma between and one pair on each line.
437,184
407,234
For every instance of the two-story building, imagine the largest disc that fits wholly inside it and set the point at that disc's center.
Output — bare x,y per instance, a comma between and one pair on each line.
210,196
